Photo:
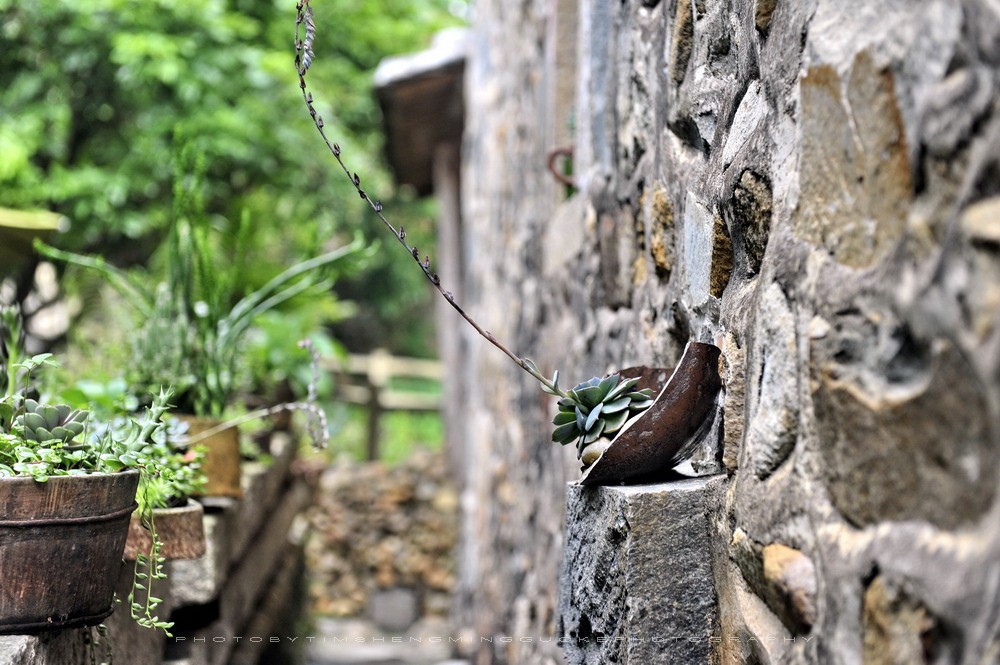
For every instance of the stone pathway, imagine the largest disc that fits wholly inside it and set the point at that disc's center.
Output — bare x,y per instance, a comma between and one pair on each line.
360,642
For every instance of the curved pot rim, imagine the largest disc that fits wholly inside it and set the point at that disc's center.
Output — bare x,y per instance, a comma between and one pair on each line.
63,478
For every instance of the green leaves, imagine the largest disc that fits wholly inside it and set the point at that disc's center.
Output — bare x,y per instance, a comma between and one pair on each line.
598,407
46,422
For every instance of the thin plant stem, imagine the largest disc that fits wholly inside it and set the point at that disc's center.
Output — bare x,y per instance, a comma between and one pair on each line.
303,60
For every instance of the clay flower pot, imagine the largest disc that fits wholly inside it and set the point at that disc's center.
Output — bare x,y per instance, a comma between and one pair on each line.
181,530
660,437
221,465
61,545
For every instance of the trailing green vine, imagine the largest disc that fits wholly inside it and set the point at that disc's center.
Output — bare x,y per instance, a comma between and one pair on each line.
148,569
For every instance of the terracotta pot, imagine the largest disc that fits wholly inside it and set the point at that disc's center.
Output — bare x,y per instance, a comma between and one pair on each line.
61,546
648,447
222,456
181,531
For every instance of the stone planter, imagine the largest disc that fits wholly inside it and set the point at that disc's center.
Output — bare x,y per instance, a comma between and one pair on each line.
181,530
61,546
222,456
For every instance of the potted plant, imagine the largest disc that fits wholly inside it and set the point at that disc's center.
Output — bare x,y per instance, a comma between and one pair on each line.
191,327
169,498
66,494
630,426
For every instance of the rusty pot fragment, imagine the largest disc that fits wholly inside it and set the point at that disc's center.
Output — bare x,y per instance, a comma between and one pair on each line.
658,439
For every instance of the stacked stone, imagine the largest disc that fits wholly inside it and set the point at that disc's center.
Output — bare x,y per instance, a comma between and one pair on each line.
377,527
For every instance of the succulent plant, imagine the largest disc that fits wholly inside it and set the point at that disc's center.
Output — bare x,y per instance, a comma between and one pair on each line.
596,408
48,422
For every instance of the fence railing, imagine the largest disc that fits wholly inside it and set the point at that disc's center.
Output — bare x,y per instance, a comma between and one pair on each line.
367,380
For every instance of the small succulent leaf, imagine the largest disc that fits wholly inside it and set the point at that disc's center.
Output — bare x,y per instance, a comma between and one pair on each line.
567,404
531,364
607,384
588,384
592,417
33,421
62,433
50,414
565,433
619,404
614,421
30,405
41,434
555,379
550,391
589,396
74,427
595,433
640,395
621,388
564,417
641,404
581,419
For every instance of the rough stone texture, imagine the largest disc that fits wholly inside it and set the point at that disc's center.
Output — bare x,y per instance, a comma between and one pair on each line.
850,151
636,584
231,526
896,629
67,646
379,528
792,578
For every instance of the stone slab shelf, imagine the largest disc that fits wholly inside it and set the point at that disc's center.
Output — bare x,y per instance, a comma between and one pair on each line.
239,583
637,584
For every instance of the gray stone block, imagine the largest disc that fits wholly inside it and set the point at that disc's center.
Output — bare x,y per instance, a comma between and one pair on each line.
394,609
229,532
637,581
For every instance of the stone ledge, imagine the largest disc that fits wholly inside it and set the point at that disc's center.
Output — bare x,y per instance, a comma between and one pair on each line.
245,586
637,582
229,531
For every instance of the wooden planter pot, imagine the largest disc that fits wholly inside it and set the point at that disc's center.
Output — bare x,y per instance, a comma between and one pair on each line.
181,530
222,457
61,546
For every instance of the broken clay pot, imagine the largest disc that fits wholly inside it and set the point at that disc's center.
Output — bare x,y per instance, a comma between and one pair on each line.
658,439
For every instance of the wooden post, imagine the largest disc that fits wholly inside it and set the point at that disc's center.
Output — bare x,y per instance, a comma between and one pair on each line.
377,377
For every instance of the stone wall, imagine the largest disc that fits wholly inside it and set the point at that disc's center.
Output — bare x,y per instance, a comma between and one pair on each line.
815,186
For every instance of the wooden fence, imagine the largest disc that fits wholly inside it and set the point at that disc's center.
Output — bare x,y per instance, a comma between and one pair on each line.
367,380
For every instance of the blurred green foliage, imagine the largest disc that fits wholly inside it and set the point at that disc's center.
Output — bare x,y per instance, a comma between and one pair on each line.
95,94
403,432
